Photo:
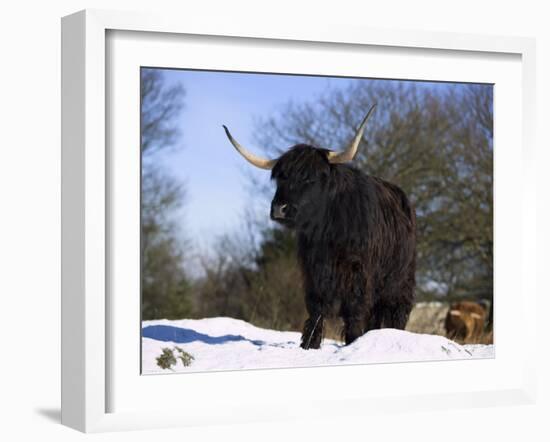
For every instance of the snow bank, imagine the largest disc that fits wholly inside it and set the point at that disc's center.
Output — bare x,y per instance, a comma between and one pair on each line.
230,344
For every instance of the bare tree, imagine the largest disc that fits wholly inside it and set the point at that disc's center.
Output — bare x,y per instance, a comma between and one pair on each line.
435,143
160,104
164,283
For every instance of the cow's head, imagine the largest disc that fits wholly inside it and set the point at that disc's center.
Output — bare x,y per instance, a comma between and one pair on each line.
301,175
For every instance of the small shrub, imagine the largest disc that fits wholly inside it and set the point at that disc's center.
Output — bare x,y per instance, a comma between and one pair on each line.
186,358
166,359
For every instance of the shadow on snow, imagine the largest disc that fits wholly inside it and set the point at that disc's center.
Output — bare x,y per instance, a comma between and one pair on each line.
168,333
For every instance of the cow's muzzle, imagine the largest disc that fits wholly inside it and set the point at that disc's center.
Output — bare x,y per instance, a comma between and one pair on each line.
279,211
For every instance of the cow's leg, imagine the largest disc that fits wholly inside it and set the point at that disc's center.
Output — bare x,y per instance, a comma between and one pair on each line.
313,332
398,299
353,329
354,312
470,325
313,327
373,320
396,315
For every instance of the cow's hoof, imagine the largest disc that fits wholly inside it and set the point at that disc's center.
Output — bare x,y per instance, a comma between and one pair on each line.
311,346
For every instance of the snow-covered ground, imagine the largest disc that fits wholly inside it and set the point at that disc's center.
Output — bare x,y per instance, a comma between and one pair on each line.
230,344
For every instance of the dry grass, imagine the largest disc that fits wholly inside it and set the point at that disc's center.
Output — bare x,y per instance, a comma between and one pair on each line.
485,338
333,329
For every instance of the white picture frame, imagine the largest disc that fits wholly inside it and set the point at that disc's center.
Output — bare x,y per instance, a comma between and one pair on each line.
86,204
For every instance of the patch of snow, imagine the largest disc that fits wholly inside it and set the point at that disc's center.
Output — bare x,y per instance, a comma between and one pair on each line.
232,344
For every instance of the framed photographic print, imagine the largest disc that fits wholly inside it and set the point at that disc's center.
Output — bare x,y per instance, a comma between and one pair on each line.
252,211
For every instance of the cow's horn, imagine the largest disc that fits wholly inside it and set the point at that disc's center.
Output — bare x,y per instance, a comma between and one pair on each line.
349,153
262,163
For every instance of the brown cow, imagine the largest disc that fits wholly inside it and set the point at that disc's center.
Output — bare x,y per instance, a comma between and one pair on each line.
465,321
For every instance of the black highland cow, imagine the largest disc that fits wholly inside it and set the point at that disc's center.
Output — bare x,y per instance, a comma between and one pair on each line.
356,238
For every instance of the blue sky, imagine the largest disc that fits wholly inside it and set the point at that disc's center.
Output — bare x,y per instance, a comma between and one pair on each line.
214,174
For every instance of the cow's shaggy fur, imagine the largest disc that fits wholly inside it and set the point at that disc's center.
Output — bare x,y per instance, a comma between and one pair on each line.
356,243
465,321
